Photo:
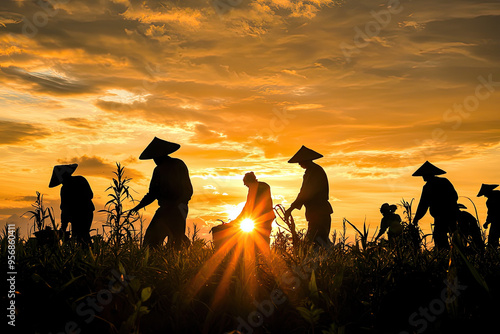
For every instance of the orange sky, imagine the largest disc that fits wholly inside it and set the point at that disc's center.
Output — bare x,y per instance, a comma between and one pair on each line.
376,87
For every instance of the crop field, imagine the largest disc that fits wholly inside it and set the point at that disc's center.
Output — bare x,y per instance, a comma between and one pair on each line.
357,286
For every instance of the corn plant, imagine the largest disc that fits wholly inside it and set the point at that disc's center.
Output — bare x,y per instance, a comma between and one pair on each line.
363,236
411,232
40,214
121,225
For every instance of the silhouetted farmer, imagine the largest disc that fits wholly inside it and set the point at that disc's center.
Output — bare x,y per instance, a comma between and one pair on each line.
76,201
171,186
493,217
258,207
314,195
440,198
391,222
469,228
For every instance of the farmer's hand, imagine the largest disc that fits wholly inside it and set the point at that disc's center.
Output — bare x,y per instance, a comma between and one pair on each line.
134,210
486,225
288,213
64,221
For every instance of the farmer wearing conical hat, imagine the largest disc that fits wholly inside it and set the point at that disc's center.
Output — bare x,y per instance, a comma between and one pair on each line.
171,186
493,217
440,198
76,201
314,195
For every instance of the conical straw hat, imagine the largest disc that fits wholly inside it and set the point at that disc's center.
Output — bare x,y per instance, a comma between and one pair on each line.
305,154
428,169
158,148
486,188
59,171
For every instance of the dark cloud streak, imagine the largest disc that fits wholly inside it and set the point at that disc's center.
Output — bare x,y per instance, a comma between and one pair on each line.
16,133
48,83
99,167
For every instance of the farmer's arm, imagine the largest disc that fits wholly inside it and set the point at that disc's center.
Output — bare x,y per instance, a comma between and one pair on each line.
423,206
185,183
304,194
64,209
248,208
152,194
383,228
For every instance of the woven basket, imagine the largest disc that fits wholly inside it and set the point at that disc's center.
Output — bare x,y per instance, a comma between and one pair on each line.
221,234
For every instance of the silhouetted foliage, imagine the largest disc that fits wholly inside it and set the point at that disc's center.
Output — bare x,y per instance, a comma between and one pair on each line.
353,286
120,225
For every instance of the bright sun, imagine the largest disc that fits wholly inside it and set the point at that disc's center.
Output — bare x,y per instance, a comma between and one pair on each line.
247,225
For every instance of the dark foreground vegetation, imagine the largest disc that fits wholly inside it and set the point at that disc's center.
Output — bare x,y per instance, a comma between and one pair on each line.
345,289
117,286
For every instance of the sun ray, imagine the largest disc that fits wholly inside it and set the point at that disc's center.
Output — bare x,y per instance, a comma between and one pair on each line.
224,284
240,256
210,267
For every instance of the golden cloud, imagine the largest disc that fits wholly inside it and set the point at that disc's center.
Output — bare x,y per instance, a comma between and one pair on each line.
99,167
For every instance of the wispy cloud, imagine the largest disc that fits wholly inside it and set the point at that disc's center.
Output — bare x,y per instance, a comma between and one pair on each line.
100,79
15,133
47,82
99,167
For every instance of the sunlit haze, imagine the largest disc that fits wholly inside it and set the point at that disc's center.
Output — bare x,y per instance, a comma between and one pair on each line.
378,88
247,225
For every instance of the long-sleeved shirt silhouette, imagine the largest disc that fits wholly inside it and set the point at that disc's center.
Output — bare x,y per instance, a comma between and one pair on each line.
77,207
493,217
439,197
493,205
170,184
391,221
76,199
259,205
314,193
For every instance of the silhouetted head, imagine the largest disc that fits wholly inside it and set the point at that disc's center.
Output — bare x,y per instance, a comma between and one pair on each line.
428,177
305,163
486,189
66,177
249,178
386,208
159,160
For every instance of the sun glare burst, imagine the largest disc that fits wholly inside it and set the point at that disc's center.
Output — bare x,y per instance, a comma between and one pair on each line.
247,225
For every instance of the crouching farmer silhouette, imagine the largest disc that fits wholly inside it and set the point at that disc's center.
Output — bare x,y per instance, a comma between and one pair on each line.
76,201
171,186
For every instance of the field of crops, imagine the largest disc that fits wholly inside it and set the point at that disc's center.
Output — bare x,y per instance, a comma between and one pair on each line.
344,289
117,286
